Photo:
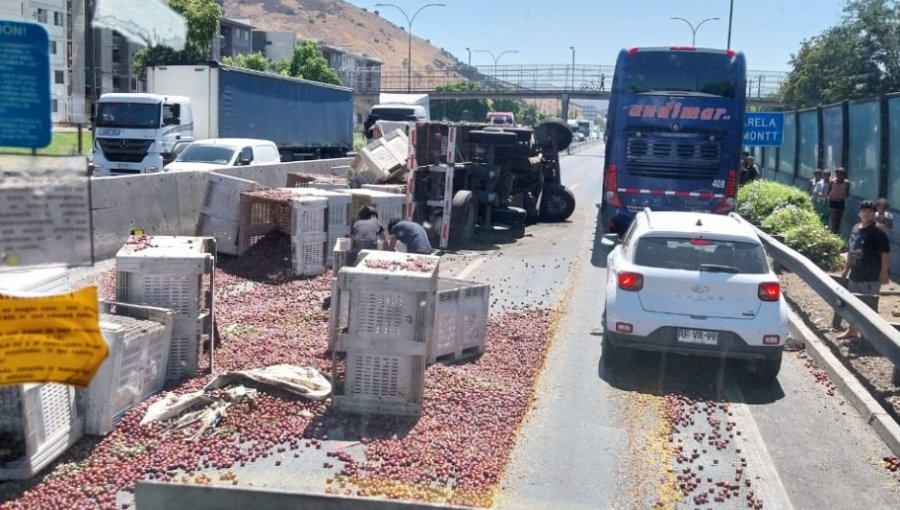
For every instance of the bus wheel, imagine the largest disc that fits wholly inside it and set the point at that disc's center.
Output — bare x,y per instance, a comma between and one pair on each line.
462,218
557,203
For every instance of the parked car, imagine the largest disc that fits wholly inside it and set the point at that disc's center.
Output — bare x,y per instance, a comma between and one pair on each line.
694,283
216,153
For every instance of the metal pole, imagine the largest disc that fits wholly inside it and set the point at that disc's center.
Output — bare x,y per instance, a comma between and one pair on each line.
470,56
409,24
730,12
573,66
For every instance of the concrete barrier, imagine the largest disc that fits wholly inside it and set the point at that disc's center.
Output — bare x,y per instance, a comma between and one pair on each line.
175,496
170,203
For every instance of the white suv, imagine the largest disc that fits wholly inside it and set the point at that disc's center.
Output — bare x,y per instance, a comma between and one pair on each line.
694,283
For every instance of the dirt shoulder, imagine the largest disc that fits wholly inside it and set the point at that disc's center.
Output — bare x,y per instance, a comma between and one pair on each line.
872,369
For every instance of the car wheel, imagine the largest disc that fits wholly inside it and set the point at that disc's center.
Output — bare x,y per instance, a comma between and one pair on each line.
767,369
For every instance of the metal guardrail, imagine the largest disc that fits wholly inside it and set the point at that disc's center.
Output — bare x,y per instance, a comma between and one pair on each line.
880,333
548,78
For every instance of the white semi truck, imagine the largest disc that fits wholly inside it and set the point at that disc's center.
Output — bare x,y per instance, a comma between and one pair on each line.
137,133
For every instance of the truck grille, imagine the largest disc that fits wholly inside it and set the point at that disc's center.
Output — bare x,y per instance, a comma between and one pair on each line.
124,150
675,157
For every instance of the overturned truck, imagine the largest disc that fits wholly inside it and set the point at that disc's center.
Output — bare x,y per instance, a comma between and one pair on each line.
500,175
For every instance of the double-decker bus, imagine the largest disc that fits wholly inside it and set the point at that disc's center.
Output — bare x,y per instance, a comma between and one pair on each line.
675,127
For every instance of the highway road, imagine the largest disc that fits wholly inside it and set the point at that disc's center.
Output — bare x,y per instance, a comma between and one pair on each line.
610,438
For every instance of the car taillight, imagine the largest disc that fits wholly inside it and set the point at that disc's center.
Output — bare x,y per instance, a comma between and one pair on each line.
769,291
611,185
631,281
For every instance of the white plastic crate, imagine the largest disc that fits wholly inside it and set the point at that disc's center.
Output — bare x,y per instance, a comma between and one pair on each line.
388,205
339,214
220,214
165,272
382,384
52,280
460,323
334,234
339,250
134,369
308,254
308,215
376,161
38,422
184,350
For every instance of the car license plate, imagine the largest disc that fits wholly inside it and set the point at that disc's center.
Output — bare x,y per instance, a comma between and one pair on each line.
697,336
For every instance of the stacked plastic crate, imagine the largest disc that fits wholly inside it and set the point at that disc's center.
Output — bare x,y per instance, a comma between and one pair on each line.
38,422
168,272
388,205
220,214
308,235
460,322
389,324
138,338
338,218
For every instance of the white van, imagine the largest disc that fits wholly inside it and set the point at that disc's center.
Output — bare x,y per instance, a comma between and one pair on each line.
216,153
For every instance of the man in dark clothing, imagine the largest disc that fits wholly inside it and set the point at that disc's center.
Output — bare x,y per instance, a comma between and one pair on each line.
867,258
365,233
410,234
749,170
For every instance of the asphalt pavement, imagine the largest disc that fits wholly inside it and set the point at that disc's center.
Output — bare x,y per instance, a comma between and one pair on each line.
603,437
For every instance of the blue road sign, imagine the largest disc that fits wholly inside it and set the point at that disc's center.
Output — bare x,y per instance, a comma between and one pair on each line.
24,85
763,129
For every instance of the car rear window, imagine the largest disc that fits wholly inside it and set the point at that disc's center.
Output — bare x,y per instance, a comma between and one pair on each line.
711,255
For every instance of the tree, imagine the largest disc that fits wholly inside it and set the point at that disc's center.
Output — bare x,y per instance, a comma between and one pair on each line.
858,58
255,61
454,109
308,63
507,105
530,115
202,18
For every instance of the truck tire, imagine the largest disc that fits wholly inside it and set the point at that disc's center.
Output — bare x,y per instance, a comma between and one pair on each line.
557,203
463,217
509,216
553,130
501,138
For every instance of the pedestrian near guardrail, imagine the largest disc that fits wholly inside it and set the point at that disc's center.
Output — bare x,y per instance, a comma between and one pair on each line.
817,191
837,193
867,259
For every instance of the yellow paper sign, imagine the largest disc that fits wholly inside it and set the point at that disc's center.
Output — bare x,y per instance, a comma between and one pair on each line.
51,338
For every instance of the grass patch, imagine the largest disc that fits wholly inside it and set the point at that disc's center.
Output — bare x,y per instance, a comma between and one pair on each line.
64,143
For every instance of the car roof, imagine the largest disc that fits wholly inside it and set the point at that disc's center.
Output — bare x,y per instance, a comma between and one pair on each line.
677,223
233,141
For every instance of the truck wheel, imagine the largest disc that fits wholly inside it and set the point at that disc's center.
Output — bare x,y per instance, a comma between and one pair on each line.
462,218
557,203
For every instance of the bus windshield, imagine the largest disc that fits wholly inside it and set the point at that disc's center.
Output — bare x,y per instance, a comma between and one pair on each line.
674,132
682,71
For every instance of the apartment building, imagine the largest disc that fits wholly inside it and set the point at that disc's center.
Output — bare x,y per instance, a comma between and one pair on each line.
63,20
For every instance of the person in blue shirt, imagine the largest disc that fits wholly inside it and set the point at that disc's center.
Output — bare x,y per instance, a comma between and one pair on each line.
411,234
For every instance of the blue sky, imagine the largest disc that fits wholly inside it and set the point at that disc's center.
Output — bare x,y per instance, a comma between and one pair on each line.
767,31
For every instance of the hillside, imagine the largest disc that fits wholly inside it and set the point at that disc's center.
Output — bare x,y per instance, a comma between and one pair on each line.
341,24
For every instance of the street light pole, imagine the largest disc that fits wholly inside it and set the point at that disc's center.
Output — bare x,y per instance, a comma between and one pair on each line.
470,56
573,66
497,58
409,24
693,29
730,13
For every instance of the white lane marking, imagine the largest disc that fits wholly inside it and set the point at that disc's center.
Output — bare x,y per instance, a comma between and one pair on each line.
471,267
770,487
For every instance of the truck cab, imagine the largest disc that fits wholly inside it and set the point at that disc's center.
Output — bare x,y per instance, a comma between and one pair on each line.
138,133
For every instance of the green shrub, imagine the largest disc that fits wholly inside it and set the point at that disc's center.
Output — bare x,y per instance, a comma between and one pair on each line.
759,199
816,243
790,216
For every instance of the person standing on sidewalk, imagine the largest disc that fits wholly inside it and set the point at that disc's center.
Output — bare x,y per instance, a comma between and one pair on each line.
837,193
867,259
